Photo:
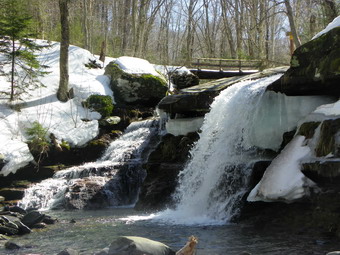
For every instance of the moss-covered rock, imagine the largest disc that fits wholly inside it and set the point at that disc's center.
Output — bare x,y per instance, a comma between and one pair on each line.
100,103
315,68
146,89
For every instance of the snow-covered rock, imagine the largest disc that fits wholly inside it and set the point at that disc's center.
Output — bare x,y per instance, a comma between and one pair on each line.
335,23
135,81
283,179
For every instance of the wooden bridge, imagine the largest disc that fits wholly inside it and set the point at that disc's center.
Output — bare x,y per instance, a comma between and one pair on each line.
215,68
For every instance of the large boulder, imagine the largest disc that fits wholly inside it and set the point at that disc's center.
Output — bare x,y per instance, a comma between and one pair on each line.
135,81
315,68
134,245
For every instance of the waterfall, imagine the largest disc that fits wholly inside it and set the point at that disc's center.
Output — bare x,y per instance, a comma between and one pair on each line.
242,119
114,179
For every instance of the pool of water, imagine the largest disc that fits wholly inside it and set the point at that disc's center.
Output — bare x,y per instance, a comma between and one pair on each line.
94,230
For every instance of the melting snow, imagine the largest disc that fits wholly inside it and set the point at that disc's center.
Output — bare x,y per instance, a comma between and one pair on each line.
283,179
65,120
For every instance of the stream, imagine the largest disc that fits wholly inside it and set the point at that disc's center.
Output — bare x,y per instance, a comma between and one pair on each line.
94,230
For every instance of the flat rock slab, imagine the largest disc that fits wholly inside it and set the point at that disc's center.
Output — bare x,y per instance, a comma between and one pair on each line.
196,100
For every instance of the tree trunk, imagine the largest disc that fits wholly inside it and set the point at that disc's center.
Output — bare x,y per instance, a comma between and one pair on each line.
12,70
290,15
62,93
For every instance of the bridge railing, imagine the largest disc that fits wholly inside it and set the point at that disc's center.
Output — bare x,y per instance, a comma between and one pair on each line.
228,64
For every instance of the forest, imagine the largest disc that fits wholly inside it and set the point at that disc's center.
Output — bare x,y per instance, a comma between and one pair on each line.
177,31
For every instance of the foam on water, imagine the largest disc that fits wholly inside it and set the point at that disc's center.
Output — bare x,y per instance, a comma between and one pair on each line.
50,193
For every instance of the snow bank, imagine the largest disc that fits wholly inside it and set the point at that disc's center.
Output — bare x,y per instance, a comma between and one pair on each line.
64,120
283,179
329,109
136,66
335,23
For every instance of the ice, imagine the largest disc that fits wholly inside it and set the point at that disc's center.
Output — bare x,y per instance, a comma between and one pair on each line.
183,126
278,113
283,180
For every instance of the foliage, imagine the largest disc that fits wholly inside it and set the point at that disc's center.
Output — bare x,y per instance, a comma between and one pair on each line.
38,142
65,145
17,49
101,104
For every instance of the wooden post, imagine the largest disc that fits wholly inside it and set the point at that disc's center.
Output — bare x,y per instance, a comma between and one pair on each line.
291,41
198,64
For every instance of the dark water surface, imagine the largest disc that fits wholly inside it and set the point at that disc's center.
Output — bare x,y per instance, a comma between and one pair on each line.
94,230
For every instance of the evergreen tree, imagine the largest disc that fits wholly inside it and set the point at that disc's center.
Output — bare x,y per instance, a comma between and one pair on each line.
18,49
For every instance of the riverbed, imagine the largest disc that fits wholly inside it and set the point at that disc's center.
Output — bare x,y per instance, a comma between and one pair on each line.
90,231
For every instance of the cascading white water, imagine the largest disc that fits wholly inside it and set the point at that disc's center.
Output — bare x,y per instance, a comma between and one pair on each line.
242,118
210,184
125,151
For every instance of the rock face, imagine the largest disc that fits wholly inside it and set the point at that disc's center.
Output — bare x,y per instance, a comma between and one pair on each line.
142,88
162,168
195,101
315,68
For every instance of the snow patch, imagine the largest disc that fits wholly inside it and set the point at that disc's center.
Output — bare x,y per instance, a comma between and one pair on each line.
335,23
67,121
136,66
283,179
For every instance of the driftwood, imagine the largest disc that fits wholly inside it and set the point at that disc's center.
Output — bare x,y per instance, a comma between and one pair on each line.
189,247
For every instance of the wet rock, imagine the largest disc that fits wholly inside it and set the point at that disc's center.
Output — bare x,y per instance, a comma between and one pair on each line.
195,101
127,245
333,253
162,167
314,68
2,237
324,172
68,251
39,225
8,227
17,209
12,193
12,246
328,142
32,218
49,220
2,199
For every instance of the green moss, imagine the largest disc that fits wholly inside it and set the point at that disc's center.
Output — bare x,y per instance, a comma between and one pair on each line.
65,145
294,62
307,129
101,104
335,66
152,80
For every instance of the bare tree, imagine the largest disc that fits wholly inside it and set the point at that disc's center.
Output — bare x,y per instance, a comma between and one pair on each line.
290,16
62,93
